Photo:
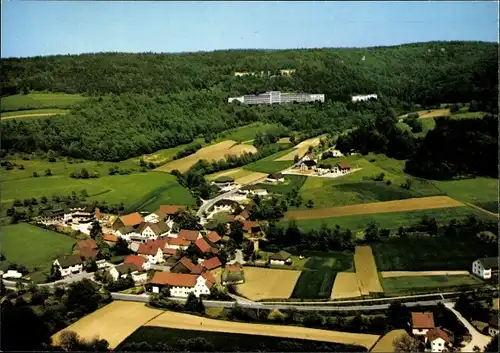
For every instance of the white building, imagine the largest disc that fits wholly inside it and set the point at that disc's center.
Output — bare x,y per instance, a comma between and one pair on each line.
438,340
421,323
486,267
12,274
363,97
276,97
152,251
182,284
123,270
153,230
280,258
69,264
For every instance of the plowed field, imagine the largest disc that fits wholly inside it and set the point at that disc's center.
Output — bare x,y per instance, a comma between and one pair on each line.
421,203
366,271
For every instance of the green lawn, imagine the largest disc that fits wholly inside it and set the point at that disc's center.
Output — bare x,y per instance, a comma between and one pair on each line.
166,155
291,182
34,113
431,253
269,164
246,133
412,284
392,220
153,338
477,190
317,277
39,100
33,246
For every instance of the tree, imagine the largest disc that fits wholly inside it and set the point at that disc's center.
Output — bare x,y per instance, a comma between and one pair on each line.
84,193
185,219
48,172
310,204
372,231
401,232
296,158
91,266
236,232
406,343
43,200
35,175
82,297
55,273
194,304
95,230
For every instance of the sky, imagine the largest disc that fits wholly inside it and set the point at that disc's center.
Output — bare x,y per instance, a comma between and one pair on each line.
31,28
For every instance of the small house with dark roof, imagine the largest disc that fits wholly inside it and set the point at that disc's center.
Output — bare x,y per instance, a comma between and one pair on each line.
280,258
153,230
438,340
421,323
69,264
307,164
344,166
275,178
486,267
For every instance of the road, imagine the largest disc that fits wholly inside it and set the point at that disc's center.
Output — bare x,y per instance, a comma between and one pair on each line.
209,203
478,339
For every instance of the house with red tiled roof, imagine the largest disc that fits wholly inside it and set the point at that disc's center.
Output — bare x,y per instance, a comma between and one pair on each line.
232,274
205,248
438,340
421,323
177,243
213,237
185,265
152,250
140,262
191,235
164,213
129,220
110,238
212,263
181,284
87,249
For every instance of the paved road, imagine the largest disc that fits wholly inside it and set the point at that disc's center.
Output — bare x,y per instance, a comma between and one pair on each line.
208,203
478,339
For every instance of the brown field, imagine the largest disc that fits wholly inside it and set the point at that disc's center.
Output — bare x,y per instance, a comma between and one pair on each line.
266,283
300,149
241,176
421,203
190,322
113,322
434,113
385,343
210,153
389,274
366,271
345,286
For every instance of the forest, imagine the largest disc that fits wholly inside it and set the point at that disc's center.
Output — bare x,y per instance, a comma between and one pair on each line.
145,102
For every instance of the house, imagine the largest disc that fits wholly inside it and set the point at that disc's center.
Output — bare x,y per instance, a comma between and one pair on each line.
152,250
212,264
78,213
130,220
140,262
205,247
421,323
153,230
181,284
493,326
225,205
167,252
125,232
438,340
251,228
51,217
190,235
280,258
87,249
69,264
123,270
486,267
307,164
185,265
213,237
343,167
110,239
232,274
275,178
363,97
164,213
176,243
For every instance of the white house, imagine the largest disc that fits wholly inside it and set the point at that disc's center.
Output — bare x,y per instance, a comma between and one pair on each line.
123,270
438,340
51,217
280,258
140,262
181,284
12,274
153,230
363,97
421,323
69,264
484,268
152,251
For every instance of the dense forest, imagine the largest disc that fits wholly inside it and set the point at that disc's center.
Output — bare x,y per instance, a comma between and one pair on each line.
146,102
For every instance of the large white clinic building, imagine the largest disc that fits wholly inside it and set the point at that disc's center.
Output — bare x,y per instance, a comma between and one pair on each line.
276,97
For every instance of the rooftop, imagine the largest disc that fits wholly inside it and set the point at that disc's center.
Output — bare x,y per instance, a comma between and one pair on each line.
212,263
174,279
190,235
422,320
131,219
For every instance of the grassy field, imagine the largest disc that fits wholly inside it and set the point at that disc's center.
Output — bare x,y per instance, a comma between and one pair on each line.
392,220
39,100
300,149
246,133
34,113
269,164
167,155
430,253
317,278
240,175
412,284
267,283
137,191
33,246
291,182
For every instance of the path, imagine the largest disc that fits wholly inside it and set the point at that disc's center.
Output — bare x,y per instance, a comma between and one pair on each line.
482,209
478,339
190,322
29,115
389,274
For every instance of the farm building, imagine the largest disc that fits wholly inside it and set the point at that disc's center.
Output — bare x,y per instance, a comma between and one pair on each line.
204,247
486,267
421,323
344,167
185,265
123,270
181,284
153,230
87,249
190,235
438,340
232,274
212,264
69,264
140,262
164,213
280,258
130,220
493,326
152,250
275,178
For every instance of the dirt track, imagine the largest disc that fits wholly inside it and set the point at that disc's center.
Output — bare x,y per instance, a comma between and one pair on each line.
422,203
366,271
390,274
191,322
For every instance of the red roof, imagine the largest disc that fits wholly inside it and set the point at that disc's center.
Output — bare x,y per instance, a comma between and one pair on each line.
195,269
231,268
165,210
248,225
213,237
422,320
245,214
212,263
110,237
131,220
437,333
204,246
168,251
151,247
87,248
210,279
136,260
178,241
190,235
174,279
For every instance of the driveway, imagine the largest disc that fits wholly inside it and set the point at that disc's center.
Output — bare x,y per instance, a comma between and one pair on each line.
478,339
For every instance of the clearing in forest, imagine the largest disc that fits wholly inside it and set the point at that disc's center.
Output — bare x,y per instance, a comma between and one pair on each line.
267,283
192,322
345,286
421,203
210,153
300,150
113,322
366,271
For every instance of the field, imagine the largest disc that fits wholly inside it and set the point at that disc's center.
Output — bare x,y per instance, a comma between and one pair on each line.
240,176
113,322
211,153
384,345
266,283
431,253
190,322
247,133
35,113
144,191
391,274
317,277
33,246
300,149
39,100
366,271
423,203
345,286
270,164
291,182
166,155
395,285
